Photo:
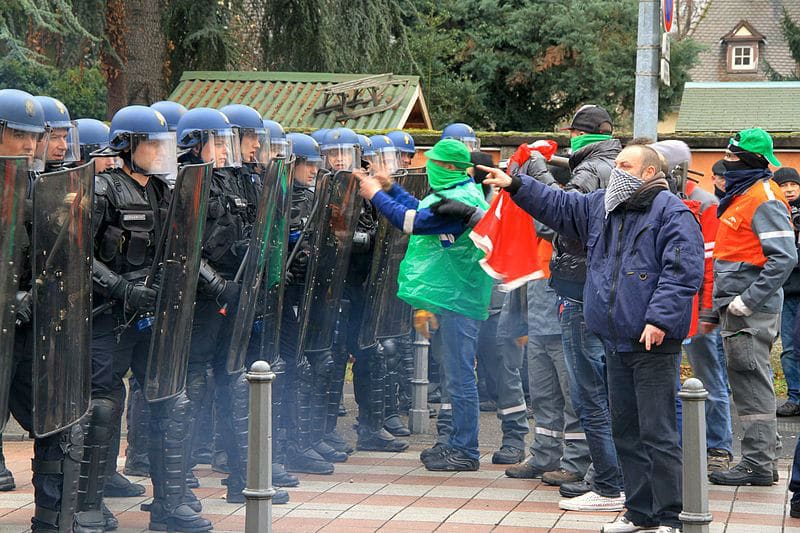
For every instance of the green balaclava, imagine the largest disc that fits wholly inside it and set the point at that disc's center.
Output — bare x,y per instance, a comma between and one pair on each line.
447,151
578,142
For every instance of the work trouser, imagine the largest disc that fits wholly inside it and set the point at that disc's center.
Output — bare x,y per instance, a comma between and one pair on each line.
512,411
748,342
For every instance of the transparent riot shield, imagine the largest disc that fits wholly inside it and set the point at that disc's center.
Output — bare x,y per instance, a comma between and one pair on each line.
62,297
13,191
262,277
335,220
385,315
168,359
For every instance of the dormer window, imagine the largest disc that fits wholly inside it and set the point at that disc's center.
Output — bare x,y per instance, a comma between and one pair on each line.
741,45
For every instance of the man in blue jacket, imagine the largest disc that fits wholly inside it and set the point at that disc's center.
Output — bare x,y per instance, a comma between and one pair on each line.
645,259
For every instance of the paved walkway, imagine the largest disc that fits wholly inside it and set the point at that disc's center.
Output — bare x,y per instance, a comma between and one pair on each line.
394,493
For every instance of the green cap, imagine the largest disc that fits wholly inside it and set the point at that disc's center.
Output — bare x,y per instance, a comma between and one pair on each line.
450,151
757,141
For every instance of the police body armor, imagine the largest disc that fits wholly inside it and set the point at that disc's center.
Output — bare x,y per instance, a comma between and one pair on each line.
13,238
168,358
62,297
264,259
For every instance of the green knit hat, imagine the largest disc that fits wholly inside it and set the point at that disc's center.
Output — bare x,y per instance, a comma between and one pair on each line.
450,151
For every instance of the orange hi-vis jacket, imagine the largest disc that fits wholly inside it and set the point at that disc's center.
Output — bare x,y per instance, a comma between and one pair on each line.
704,205
755,250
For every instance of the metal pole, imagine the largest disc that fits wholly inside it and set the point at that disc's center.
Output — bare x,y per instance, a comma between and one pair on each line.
259,491
645,113
695,515
419,416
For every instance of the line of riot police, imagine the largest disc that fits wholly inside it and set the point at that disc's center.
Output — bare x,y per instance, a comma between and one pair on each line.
179,247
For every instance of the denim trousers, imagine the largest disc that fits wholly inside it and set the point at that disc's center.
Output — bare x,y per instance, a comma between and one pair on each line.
789,360
644,421
460,340
588,386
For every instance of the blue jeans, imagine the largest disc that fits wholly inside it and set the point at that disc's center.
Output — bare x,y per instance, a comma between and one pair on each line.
586,369
642,393
789,360
460,342
709,366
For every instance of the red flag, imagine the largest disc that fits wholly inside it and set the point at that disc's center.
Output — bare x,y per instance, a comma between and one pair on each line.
507,235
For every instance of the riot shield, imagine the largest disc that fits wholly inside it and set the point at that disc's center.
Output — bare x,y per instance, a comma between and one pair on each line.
385,315
265,257
168,359
334,222
62,297
13,191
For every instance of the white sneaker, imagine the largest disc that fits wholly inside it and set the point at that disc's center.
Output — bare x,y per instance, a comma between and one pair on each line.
623,525
668,529
591,501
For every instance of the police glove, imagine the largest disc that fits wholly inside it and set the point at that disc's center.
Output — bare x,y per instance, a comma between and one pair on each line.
228,294
140,298
24,302
737,307
425,323
468,214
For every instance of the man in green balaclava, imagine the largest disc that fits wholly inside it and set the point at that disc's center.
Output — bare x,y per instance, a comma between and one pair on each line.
441,278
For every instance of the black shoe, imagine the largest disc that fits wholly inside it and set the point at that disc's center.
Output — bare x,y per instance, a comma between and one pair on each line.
788,408
6,479
191,480
395,426
741,474
181,519
379,441
574,489
524,470
282,478
89,522
118,486
451,460
338,443
436,449
488,406
307,462
189,499
111,521
329,453
794,509
508,455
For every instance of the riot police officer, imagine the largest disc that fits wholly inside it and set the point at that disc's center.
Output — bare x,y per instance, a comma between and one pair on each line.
129,219
404,143
464,133
93,137
63,145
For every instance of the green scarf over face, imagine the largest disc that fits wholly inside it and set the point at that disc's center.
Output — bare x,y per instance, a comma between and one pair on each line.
586,139
442,178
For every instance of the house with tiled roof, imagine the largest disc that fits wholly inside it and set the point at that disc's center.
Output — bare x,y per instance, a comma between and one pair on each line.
743,39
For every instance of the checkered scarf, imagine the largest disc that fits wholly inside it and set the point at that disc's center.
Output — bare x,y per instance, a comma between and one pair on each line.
621,187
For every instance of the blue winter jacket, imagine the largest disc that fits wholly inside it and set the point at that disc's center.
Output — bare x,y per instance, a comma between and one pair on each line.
645,259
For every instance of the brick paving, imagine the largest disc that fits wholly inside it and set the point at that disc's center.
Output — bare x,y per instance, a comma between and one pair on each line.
394,493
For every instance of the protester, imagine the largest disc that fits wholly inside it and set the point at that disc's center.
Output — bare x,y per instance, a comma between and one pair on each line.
645,264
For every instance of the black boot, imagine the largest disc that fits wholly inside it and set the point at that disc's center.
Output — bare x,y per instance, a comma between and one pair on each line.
280,477
56,470
170,429
136,458
371,435
99,433
202,441
6,478
392,422
300,455
323,366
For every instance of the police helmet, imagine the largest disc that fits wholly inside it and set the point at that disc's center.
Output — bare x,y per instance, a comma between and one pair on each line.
304,147
93,136
212,133
21,111
63,144
135,125
320,134
172,111
278,143
464,133
402,141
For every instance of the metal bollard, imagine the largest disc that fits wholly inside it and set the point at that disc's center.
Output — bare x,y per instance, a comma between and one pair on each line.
259,491
419,416
695,515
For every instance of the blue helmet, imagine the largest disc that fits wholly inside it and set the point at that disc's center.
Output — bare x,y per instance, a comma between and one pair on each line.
137,124
63,144
320,134
201,125
385,158
402,141
172,111
366,147
464,133
21,111
93,136
340,148
278,143
304,147
244,117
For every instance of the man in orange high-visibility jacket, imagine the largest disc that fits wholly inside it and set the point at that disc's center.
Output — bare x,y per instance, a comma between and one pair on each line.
754,255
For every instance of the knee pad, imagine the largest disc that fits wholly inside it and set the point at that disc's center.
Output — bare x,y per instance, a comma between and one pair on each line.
101,421
196,387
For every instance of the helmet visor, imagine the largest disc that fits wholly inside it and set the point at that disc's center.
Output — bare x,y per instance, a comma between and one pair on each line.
340,157
223,148
278,148
305,172
473,143
384,160
252,143
16,142
154,153
64,145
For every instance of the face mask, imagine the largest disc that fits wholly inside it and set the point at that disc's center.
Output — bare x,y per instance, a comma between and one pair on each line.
442,178
579,141
735,165
719,193
621,186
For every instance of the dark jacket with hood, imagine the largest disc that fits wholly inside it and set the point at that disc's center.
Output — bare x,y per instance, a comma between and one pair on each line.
591,167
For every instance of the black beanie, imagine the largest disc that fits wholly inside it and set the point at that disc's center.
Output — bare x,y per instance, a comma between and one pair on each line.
785,175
